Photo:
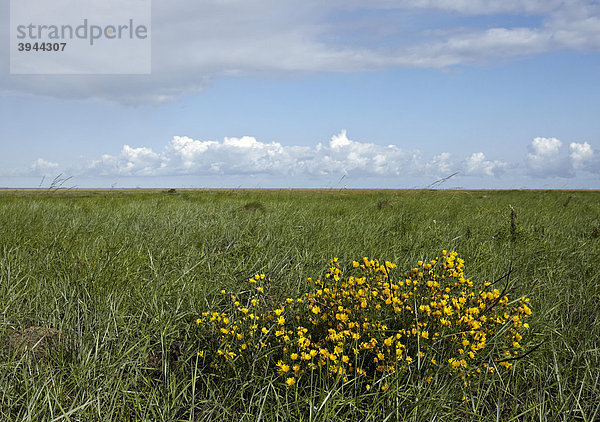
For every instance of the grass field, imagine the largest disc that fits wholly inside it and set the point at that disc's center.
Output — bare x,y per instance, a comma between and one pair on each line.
107,286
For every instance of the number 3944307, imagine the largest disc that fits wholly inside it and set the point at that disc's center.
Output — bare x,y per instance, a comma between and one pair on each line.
42,46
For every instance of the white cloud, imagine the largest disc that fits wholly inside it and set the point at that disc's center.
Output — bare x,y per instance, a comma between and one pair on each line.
583,156
140,161
441,165
544,158
41,164
42,167
243,155
340,141
545,147
477,164
39,167
138,155
248,156
352,157
548,158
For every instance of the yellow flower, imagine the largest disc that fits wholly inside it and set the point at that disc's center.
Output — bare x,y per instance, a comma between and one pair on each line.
282,367
446,302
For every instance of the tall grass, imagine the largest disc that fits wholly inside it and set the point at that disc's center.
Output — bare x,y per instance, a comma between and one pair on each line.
123,277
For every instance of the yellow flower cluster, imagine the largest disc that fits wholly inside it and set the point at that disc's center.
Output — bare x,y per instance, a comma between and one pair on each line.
369,322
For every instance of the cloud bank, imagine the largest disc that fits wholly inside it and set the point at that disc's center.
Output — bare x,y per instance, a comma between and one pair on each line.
246,157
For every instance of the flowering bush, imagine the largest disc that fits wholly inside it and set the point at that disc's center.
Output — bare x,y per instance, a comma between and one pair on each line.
366,322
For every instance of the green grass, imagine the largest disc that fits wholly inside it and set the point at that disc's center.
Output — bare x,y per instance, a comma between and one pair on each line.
124,275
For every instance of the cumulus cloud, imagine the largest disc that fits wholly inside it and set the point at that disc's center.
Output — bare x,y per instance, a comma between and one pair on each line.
41,167
246,157
142,161
581,154
548,157
545,147
41,164
214,39
545,158
243,155
249,156
441,165
363,158
477,164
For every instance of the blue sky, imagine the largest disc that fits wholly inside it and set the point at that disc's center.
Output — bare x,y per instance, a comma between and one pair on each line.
391,94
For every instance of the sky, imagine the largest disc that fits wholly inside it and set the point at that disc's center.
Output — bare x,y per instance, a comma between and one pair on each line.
313,94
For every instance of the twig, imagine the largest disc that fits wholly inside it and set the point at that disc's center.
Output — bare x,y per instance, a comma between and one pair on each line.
523,355
440,181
